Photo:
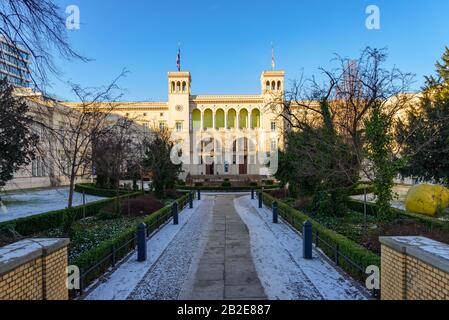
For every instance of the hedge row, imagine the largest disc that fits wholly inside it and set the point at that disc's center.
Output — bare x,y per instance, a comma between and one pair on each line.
355,252
96,261
433,223
360,189
41,222
228,189
91,189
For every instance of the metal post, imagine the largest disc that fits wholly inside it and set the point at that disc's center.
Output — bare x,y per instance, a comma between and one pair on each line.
252,194
199,194
307,240
274,207
190,200
260,199
175,213
141,242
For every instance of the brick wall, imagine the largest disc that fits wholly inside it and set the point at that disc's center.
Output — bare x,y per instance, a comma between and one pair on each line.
34,270
414,268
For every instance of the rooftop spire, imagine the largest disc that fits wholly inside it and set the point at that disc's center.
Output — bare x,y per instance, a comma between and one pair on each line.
272,57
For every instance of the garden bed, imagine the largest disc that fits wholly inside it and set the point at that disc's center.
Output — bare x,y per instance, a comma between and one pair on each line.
366,231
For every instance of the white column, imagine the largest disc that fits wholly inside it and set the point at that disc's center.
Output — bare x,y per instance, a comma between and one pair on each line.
213,119
202,120
238,120
226,119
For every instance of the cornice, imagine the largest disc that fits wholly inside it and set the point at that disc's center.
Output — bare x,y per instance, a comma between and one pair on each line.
223,99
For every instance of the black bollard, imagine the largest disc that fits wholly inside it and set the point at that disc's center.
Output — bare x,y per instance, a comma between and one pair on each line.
252,194
199,194
274,207
190,200
175,212
260,199
141,242
307,240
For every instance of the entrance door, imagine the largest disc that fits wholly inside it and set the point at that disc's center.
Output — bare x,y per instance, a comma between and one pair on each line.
210,169
243,167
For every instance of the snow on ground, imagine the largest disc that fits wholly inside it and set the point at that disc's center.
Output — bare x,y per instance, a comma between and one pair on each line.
277,254
169,254
30,202
400,194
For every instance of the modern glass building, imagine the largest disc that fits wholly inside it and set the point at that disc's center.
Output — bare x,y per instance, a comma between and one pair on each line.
14,62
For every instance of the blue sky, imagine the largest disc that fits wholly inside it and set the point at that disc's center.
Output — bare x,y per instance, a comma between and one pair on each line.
226,44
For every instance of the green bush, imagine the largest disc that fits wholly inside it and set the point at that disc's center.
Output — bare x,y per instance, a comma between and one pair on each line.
121,244
268,182
226,184
91,189
360,255
359,189
221,188
198,184
394,213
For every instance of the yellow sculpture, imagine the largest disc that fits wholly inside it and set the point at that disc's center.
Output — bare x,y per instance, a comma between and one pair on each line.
427,199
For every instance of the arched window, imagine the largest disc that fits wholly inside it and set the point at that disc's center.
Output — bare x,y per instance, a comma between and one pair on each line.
173,86
243,115
273,85
178,86
219,119
184,86
279,85
207,119
232,115
267,85
196,119
255,118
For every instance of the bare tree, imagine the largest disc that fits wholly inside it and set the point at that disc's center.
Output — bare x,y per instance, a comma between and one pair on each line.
79,125
39,27
333,116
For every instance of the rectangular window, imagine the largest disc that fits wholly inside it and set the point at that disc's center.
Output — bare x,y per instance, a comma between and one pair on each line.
162,126
178,126
273,126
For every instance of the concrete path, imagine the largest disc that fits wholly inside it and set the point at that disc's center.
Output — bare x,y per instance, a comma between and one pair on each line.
226,269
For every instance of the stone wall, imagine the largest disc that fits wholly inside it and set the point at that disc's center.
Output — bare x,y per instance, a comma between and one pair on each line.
34,269
414,268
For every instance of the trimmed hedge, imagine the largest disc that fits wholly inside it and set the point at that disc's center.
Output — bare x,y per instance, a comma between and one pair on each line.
355,252
224,188
360,189
121,245
44,221
358,206
91,189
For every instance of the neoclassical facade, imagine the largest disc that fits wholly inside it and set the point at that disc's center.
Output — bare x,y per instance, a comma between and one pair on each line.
218,134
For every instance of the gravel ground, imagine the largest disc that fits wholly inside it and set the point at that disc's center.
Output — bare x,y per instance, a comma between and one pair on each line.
165,279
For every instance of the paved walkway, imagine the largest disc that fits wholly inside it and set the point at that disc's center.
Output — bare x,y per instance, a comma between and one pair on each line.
226,248
226,269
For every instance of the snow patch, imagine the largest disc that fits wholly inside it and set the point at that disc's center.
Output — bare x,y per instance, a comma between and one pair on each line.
277,254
